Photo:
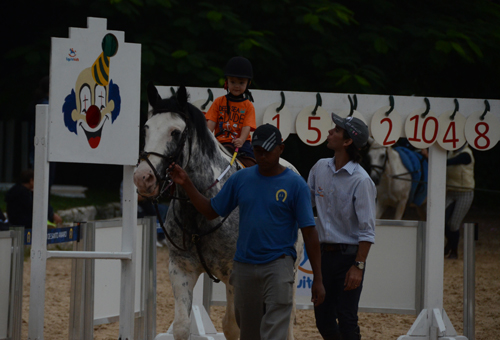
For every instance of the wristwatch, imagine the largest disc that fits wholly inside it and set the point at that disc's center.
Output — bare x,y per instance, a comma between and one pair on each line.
359,265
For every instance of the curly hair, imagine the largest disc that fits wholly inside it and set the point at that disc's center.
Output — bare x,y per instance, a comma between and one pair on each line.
353,152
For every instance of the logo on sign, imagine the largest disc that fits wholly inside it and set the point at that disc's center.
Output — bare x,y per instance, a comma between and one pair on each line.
72,55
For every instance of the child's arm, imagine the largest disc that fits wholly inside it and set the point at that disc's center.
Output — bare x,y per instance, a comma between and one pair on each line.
211,125
238,142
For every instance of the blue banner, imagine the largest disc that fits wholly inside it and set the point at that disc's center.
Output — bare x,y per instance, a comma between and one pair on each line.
56,235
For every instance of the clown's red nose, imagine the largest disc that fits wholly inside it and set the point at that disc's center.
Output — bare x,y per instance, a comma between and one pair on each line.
93,116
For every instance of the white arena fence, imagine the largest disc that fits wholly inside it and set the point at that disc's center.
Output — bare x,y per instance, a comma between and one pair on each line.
11,282
393,280
95,293
95,283
393,283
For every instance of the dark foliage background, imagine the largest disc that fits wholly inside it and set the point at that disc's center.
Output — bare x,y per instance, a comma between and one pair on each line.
425,48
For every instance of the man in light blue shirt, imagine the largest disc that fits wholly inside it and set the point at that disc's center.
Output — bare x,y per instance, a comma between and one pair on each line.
344,196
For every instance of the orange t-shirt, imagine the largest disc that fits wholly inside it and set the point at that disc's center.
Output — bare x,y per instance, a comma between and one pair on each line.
242,113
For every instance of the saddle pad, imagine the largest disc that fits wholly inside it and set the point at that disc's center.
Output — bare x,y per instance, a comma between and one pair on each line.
416,164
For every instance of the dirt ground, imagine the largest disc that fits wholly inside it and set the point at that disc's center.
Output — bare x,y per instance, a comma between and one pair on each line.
374,326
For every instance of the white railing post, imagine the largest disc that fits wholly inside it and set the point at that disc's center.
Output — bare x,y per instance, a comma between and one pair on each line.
39,233
469,281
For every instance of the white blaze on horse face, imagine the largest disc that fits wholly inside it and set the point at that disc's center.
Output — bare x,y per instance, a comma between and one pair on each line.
159,132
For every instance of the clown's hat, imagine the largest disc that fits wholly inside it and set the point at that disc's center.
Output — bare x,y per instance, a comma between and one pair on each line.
100,68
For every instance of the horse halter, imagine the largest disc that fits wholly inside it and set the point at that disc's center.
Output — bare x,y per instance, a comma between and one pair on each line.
174,157
379,169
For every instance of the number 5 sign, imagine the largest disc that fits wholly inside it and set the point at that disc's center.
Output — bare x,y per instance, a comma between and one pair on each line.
313,129
482,131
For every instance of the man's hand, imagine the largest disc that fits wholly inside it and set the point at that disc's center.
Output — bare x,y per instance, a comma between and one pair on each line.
200,202
178,174
318,293
353,278
57,219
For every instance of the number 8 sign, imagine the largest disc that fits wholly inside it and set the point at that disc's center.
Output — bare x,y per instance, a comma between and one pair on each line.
482,134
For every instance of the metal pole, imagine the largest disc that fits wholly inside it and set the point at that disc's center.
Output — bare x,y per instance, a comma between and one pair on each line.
469,281
39,240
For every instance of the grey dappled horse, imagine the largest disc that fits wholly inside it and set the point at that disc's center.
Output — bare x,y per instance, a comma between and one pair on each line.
177,132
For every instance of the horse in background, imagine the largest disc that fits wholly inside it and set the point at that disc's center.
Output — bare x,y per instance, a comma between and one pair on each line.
177,132
399,175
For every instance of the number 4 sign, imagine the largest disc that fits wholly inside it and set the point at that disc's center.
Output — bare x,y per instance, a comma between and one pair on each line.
451,134
482,131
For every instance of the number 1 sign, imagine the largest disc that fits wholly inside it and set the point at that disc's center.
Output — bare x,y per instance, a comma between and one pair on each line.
282,120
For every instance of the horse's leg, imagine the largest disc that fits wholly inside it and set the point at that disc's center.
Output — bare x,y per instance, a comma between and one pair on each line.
380,208
229,326
183,282
400,209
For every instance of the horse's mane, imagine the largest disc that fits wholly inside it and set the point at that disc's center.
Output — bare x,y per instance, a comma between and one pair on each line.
195,121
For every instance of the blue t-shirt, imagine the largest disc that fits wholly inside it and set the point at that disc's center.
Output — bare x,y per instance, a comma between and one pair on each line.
271,209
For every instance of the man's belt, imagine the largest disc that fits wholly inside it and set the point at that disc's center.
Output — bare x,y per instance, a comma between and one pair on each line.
336,246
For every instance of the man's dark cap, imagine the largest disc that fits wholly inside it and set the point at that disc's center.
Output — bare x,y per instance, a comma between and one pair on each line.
356,129
266,136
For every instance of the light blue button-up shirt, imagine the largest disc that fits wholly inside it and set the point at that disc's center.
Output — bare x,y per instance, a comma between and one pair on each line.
345,202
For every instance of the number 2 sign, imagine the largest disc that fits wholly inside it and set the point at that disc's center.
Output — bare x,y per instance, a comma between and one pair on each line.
482,134
386,129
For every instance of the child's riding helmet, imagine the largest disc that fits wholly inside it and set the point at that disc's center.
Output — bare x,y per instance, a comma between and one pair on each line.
239,67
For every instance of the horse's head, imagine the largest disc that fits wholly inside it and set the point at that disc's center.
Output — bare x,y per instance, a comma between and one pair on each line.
378,161
171,133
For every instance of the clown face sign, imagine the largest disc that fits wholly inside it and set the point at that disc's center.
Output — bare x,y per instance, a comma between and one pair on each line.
94,97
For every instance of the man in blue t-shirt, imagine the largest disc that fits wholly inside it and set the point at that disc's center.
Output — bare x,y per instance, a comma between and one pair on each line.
274,202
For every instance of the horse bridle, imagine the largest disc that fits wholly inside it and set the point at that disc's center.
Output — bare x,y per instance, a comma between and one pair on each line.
379,169
174,157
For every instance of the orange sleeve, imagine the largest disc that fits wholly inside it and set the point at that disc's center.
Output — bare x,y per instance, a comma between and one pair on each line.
213,112
250,116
